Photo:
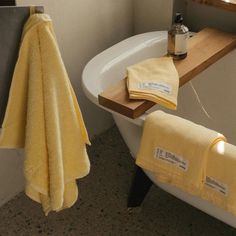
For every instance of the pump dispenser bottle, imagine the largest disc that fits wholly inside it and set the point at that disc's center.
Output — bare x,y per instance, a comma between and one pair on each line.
178,38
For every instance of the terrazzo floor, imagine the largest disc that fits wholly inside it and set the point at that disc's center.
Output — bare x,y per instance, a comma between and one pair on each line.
101,209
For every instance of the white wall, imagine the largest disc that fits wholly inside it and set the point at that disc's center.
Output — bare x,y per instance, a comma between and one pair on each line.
84,28
152,15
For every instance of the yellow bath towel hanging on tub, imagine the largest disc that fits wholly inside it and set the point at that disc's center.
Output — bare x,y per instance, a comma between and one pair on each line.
43,116
176,150
219,187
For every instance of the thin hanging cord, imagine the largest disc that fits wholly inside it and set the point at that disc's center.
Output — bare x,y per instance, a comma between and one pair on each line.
199,101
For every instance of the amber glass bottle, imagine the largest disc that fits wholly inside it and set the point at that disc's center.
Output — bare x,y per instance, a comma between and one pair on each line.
178,38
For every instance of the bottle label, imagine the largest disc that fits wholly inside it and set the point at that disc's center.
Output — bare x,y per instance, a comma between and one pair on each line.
181,44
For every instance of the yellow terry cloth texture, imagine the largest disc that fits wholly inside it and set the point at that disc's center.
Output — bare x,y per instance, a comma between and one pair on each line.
175,150
156,80
220,180
43,116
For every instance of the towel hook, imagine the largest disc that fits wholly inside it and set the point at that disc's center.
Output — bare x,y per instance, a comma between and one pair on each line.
32,10
35,9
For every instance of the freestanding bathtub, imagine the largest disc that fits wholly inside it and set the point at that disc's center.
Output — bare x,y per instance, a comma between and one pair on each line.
216,94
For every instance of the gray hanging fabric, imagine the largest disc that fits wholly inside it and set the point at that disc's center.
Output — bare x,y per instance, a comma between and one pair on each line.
12,20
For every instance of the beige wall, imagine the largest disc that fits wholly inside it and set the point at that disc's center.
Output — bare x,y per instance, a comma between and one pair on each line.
180,6
152,15
84,28
200,16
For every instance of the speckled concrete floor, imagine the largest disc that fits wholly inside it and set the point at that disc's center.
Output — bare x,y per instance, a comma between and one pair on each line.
101,209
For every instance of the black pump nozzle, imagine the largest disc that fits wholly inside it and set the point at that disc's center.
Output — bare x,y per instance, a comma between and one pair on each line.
178,18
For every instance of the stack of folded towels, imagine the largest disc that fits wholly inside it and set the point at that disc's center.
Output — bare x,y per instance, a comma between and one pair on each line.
191,157
154,79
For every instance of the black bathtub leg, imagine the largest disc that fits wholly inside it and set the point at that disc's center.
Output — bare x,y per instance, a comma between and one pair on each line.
139,188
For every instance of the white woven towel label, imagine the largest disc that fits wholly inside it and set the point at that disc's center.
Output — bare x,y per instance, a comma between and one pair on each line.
216,185
172,158
162,87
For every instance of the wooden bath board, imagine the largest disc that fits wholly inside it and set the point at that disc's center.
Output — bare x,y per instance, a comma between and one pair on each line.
204,49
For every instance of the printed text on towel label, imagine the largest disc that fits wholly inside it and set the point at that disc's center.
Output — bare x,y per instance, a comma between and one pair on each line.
216,185
162,87
172,158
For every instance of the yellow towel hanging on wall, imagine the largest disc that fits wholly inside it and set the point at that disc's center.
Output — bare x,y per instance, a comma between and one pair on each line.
43,116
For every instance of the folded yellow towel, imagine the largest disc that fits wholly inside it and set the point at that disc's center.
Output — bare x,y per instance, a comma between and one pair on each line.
155,80
43,116
176,150
220,180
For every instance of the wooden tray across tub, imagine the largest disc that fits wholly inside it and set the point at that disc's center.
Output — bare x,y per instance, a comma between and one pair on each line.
205,48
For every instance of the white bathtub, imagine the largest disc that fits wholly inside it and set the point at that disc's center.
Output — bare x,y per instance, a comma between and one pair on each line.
215,86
